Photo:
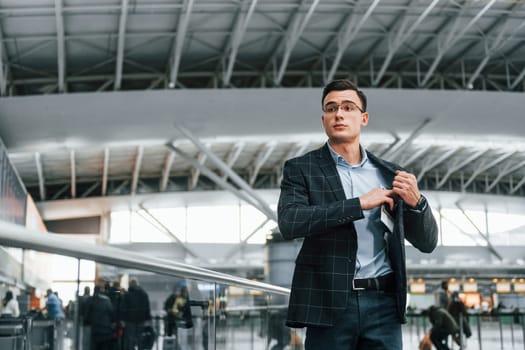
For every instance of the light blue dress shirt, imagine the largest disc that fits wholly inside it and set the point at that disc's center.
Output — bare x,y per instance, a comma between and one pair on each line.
371,258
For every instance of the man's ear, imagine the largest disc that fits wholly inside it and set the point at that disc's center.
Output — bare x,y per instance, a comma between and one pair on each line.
364,119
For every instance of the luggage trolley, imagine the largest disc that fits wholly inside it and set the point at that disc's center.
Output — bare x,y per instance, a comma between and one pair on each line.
12,333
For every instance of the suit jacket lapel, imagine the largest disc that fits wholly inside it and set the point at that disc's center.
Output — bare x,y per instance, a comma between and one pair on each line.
391,167
327,165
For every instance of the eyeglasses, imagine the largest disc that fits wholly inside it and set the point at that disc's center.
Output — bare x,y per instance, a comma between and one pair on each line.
346,107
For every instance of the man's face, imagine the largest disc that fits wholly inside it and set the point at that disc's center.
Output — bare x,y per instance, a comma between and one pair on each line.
344,124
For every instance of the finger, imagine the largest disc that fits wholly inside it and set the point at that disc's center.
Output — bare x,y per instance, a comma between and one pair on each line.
402,186
390,202
389,193
409,180
405,175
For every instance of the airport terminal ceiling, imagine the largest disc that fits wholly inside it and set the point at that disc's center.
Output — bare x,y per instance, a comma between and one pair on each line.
94,90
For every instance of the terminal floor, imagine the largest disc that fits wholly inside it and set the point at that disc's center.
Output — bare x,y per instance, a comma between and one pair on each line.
246,339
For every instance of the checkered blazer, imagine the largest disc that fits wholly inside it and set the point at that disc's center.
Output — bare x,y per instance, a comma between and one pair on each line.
313,206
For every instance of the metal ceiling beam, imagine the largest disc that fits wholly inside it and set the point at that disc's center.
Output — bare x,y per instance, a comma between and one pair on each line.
168,231
3,63
502,39
237,34
415,156
182,27
483,235
508,169
259,161
40,173
452,39
231,253
485,165
155,83
105,168
91,188
166,169
518,79
233,155
195,172
408,75
60,192
295,30
458,165
104,86
486,36
393,152
347,35
262,205
430,164
121,44
472,236
61,49
136,169
222,183
400,38
73,172
119,188
517,186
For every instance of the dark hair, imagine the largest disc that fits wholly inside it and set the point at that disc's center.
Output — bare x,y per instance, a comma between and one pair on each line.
8,296
344,84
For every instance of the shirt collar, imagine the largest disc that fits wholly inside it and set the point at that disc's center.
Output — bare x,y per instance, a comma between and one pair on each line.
340,160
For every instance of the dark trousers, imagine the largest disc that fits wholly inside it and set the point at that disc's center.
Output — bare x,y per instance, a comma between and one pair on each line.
439,339
170,326
101,342
133,335
370,322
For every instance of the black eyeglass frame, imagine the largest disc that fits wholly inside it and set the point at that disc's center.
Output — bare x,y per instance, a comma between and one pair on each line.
333,104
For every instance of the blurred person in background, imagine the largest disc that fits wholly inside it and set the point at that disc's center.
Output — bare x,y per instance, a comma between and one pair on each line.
136,315
458,310
10,305
443,325
100,316
53,305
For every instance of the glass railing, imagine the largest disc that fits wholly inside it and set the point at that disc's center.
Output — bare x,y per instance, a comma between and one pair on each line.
225,311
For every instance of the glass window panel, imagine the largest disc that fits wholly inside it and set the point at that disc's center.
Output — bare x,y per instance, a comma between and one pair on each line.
218,224
145,229
174,219
457,230
251,219
120,227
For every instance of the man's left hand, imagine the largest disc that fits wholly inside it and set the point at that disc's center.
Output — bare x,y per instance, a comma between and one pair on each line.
405,186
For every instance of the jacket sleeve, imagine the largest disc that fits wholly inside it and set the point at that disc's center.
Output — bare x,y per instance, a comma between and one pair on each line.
420,228
301,211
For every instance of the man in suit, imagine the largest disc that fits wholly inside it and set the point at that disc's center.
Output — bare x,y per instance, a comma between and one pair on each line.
354,211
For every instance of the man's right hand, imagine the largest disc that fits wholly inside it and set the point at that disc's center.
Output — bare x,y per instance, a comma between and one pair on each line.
376,198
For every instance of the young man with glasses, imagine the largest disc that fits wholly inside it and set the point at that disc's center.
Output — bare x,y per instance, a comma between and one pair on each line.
354,211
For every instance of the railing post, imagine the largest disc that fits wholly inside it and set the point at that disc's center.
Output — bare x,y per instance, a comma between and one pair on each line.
522,322
500,330
461,331
478,321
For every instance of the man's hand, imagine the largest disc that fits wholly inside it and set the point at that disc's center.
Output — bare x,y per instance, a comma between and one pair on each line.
377,197
405,186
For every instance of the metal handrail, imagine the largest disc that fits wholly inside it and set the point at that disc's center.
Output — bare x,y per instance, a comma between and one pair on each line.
13,235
